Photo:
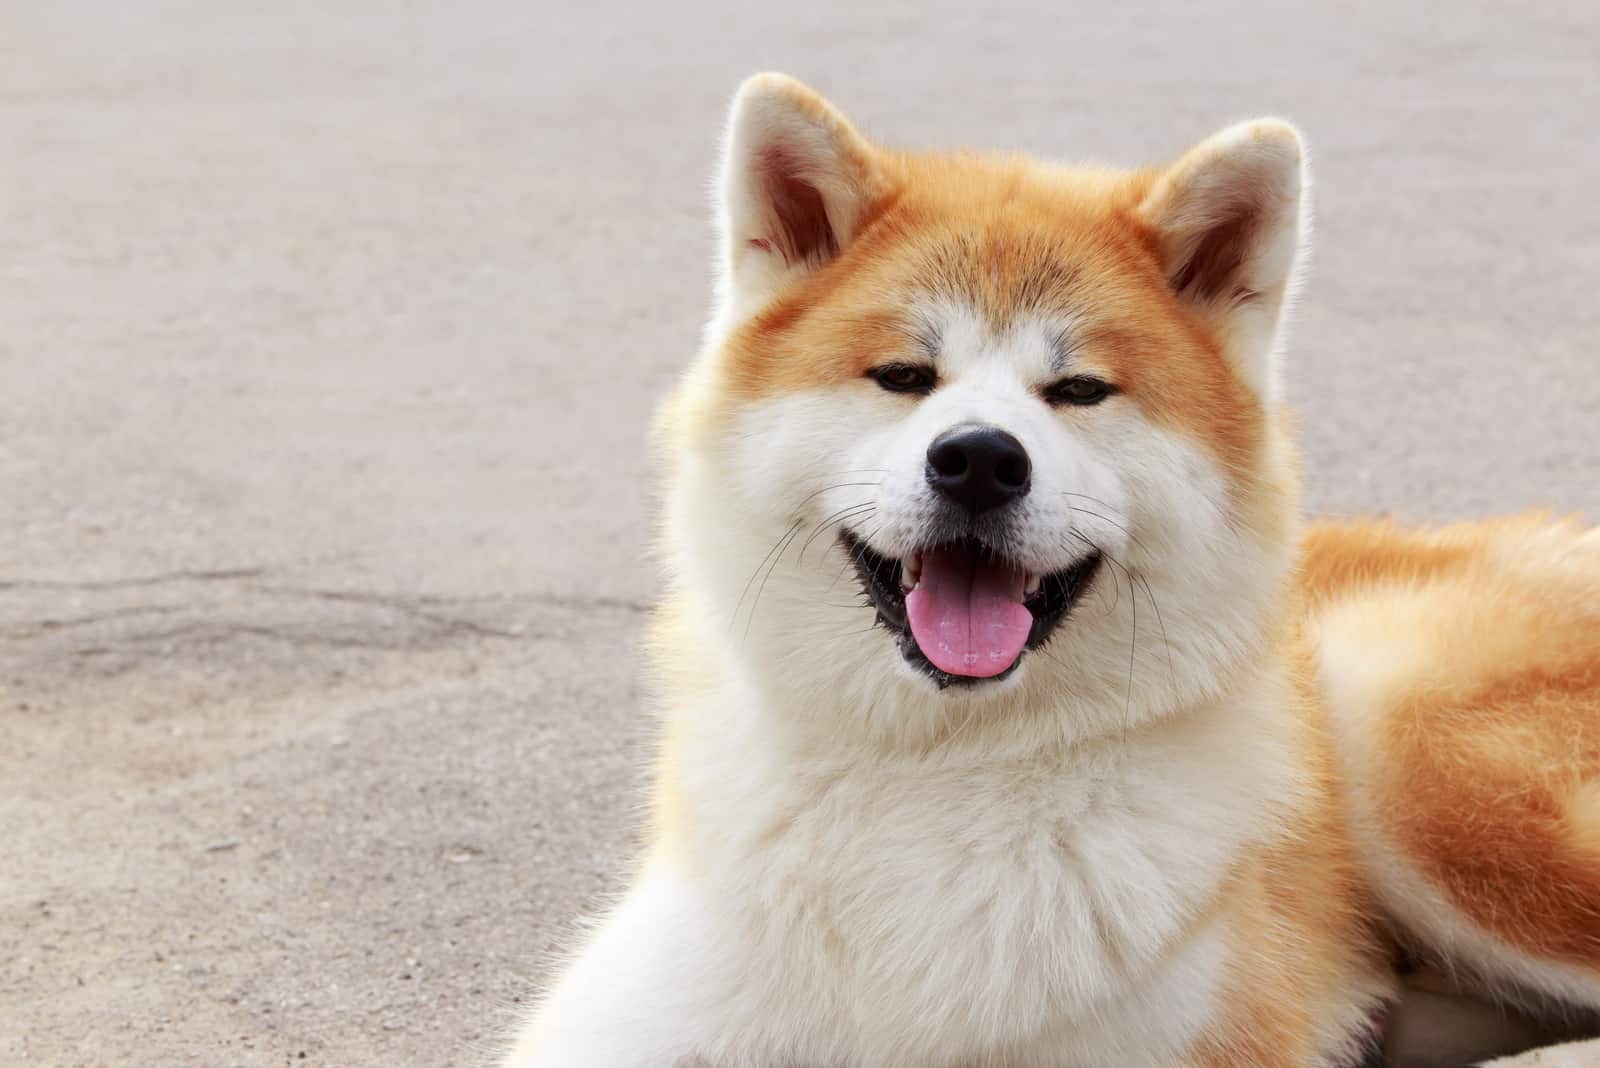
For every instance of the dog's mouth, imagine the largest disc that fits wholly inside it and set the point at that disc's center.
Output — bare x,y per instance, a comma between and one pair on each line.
964,613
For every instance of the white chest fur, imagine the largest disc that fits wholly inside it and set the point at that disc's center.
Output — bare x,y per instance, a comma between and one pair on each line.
961,905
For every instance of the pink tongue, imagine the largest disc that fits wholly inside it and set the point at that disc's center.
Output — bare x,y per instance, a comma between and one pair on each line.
967,614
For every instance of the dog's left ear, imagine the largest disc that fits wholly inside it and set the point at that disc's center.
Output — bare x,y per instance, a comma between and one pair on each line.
797,183
1229,220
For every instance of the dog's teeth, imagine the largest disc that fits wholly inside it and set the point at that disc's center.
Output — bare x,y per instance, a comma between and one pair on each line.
910,573
1032,586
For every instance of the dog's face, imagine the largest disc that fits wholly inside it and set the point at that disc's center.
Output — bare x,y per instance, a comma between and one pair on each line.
1025,412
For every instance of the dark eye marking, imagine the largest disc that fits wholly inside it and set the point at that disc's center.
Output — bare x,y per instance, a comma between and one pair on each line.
1081,390
915,378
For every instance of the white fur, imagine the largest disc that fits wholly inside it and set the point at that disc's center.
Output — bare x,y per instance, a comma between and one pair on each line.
1012,894
1135,648
978,904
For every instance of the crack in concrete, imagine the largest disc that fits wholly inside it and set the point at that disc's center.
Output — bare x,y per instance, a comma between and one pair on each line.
218,575
401,602
32,628
404,602
429,609
218,631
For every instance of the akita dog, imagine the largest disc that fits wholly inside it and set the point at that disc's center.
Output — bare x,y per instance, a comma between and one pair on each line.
1009,714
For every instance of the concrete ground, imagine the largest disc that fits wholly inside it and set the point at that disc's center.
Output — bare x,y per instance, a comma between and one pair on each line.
328,337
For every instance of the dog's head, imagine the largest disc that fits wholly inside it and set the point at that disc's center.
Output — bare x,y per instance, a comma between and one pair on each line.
970,430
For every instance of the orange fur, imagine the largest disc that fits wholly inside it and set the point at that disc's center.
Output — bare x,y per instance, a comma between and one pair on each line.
1009,237
1490,745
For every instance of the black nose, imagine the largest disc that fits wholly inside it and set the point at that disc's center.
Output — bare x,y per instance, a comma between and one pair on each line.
978,467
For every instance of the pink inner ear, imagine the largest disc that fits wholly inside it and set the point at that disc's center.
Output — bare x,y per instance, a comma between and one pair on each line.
805,235
761,243
1215,267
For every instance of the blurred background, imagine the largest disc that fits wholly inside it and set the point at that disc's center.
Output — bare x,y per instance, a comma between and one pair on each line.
329,334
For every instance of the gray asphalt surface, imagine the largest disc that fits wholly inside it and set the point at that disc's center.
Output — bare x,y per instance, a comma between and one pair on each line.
328,338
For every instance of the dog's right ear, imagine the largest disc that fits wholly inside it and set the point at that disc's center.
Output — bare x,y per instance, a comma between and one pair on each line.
797,183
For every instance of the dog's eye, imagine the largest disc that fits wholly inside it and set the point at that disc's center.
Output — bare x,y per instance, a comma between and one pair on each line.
1078,390
904,377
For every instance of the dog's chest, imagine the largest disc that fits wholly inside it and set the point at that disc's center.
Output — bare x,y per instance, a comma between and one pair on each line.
968,901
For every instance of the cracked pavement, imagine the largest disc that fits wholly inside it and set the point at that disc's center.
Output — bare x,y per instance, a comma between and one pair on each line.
328,343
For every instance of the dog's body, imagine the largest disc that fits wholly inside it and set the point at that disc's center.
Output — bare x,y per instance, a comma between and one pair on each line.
1133,770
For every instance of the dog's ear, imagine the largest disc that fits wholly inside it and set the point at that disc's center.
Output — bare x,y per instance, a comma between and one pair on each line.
1229,220
797,182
